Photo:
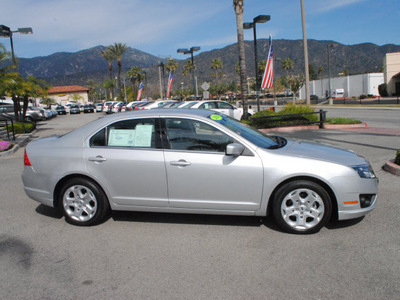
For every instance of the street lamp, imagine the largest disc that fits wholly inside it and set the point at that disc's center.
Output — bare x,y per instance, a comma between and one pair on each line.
329,74
190,51
7,32
258,19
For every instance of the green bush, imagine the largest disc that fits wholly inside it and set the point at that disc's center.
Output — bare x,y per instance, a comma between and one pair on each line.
397,159
382,89
342,121
19,127
280,121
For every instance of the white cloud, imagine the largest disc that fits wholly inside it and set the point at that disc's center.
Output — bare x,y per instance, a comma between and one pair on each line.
329,5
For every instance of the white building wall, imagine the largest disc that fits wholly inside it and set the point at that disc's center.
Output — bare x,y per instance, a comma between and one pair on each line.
354,86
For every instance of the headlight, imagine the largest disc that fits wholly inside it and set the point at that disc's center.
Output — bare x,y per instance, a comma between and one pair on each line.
365,171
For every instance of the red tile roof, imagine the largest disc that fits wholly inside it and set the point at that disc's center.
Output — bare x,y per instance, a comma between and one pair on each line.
67,89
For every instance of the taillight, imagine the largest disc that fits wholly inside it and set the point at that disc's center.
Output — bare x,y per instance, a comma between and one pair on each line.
26,160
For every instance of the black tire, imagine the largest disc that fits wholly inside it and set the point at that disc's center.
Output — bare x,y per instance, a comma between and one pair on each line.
302,207
83,202
28,119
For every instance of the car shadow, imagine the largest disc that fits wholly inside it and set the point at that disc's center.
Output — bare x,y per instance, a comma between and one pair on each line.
49,211
335,224
198,219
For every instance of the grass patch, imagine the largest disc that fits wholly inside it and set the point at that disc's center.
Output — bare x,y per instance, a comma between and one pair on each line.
22,127
341,121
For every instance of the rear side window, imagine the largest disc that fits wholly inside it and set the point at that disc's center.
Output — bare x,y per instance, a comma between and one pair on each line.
208,105
135,133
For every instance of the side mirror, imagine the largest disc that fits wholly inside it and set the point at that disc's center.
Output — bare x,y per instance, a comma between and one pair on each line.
234,149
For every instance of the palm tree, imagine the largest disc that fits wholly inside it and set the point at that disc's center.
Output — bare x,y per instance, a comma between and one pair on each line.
118,50
239,6
109,57
287,65
171,65
216,64
189,67
136,75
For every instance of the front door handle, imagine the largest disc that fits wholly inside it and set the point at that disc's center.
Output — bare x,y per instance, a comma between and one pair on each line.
180,163
98,158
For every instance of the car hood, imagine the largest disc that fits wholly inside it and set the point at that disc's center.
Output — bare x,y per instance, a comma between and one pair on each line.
313,150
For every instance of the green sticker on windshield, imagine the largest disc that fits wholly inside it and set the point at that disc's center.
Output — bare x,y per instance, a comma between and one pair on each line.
216,117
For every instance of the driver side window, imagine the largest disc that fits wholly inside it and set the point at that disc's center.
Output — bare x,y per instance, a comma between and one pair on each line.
192,135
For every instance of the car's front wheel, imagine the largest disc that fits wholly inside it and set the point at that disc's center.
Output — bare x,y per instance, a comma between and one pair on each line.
83,202
302,207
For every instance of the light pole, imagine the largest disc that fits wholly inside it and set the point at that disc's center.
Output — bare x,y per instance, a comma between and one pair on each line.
190,51
258,19
7,32
329,74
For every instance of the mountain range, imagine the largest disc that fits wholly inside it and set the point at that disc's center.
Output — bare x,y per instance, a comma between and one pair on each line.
78,68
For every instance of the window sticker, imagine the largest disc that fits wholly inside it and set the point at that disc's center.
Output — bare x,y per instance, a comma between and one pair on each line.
121,137
143,135
216,117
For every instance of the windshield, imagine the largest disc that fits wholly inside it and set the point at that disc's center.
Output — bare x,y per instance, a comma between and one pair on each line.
190,104
254,136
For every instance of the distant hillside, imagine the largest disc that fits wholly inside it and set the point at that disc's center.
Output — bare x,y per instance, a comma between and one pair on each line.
78,68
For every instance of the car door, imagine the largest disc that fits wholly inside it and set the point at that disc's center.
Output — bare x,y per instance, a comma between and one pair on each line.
226,109
201,176
127,159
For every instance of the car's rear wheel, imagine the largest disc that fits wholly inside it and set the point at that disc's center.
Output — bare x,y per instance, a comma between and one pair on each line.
83,203
302,207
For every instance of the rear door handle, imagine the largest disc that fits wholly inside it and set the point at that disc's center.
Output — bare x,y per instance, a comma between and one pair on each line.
98,158
180,163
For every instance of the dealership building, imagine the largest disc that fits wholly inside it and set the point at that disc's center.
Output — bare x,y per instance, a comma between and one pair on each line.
346,86
363,84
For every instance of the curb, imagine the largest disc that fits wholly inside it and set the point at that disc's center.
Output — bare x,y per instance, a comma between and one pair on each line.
391,167
20,141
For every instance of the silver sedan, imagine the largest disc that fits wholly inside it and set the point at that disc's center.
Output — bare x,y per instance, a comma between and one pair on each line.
195,161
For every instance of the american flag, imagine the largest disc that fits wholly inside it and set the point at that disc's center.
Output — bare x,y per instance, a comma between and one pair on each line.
139,95
170,80
268,78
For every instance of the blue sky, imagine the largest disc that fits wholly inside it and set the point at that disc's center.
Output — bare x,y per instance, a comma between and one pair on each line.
160,27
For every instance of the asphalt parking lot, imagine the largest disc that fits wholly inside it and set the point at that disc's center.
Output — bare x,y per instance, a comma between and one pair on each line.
172,256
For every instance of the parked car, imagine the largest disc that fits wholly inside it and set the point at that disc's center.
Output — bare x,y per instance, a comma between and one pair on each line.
34,114
88,108
99,107
74,109
131,105
158,104
61,110
117,107
223,107
203,162
107,108
143,105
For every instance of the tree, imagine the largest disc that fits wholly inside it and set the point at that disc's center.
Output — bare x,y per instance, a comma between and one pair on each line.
4,57
75,97
238,6
109,57
216,64
312,73
108,84
189,68
118,50
171,65
296,82
288,65
136,75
